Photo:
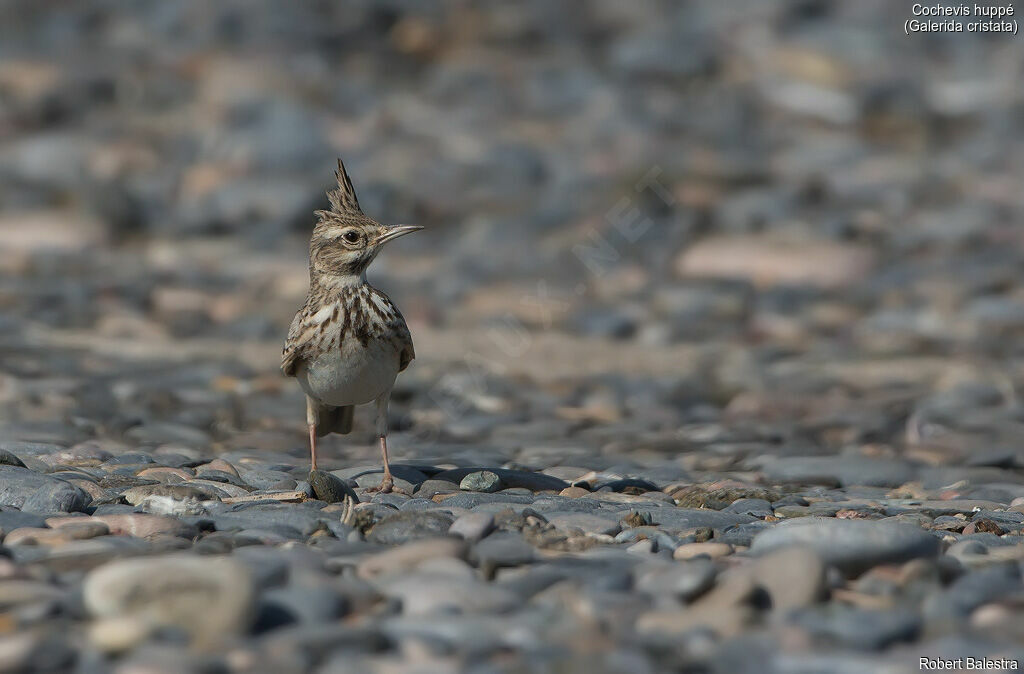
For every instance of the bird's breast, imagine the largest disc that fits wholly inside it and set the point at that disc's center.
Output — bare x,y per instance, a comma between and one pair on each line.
351,373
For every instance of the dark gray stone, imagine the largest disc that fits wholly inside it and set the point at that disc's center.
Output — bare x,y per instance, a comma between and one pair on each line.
9,459
861,629
330,488
509,478
850,545
32,492
410,525
840,470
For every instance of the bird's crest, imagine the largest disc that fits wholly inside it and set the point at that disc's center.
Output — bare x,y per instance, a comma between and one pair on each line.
343,199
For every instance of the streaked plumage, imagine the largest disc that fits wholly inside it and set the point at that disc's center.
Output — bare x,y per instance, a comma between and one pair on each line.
348,342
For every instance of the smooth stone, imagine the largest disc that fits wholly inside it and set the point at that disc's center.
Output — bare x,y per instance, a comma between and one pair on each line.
9,459
140,525
972,590
436,594
844,471
218,489
209,598
793,577
755,507
501,549
472,526
622,484
509,478
676,519
684,582
709,549
584,523
470,500
726,609
370,476
71,532
301,521
431,487
861,629
410,525
174,492
33,492
11,519
282,606
408,556
742,534
166,475
329,488
851,545
484,481
118,634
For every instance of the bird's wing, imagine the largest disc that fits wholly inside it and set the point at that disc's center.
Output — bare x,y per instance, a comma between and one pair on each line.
291,354
307,327
404,339
400,336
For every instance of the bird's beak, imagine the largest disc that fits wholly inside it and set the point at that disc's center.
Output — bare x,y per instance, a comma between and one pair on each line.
394,231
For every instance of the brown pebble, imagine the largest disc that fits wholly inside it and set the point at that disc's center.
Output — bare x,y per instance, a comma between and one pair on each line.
984,526
574,492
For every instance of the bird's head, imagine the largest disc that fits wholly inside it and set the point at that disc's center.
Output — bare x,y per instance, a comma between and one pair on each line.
345,241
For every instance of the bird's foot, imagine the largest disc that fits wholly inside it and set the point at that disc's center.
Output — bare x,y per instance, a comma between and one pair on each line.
386,486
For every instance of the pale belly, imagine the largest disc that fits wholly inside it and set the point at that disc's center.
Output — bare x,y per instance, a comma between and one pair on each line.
355,376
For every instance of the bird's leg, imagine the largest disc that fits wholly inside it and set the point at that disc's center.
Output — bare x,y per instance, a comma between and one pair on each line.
311,422
387,484
312,447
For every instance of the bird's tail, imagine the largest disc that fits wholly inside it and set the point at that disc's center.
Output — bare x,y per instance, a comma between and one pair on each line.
333,419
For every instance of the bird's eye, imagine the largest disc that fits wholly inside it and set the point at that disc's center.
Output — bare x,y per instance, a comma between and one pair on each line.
351,236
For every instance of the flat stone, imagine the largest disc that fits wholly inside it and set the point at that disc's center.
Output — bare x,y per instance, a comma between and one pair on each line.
70,532
509,478
139,525
431,487
11,519
861,629
685,581
502,549
175,492
677,519
840,470
33,492
409,556
584,523
209,597
851,545
793,577
406,477
437,594
410,525
472,526
708,549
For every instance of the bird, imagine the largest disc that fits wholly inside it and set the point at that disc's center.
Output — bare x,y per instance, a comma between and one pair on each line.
348,341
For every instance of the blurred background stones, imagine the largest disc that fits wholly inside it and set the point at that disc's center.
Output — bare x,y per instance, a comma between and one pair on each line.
690,271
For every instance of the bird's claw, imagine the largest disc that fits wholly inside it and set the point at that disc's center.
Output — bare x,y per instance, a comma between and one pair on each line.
386,486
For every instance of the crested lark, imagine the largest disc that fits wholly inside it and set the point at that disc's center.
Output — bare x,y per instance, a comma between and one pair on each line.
348,342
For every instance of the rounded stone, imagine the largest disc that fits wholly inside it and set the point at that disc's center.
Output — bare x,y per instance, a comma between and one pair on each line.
483,481
206,597
851,545
330,488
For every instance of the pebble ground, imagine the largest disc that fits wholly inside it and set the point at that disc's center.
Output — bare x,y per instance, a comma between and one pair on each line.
718,316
